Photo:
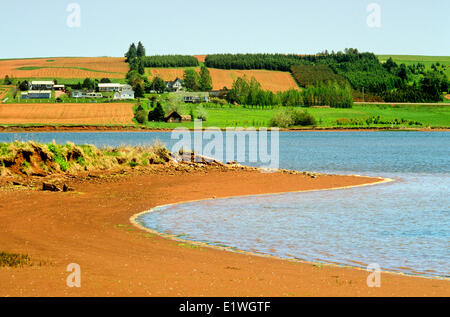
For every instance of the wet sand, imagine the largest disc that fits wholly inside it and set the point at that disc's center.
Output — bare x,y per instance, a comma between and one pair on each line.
91,227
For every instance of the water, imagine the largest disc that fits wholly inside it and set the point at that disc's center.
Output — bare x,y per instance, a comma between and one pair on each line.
403,226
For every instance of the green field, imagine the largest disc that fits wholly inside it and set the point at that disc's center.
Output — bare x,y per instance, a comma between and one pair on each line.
428,116
414,59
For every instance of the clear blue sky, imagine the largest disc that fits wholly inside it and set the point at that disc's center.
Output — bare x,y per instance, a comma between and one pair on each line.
39,28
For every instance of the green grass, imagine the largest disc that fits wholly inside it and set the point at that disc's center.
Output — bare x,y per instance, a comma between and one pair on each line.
414,59
71,158
66,81
428,115
80,68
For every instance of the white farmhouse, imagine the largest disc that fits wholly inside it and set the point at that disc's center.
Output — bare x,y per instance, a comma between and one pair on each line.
124,95
42,85
108,87
36,94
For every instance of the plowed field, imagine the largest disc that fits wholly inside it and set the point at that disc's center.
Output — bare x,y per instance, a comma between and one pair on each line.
65,67
57,113
269,80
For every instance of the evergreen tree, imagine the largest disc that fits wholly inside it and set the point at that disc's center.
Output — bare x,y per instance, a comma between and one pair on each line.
141,68
7,80
157,114
139,91
132,53
205,83
23,86
140,51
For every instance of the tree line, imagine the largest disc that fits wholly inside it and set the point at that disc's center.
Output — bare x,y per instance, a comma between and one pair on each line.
250,92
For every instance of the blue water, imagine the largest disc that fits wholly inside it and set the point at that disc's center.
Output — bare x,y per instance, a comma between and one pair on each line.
403,226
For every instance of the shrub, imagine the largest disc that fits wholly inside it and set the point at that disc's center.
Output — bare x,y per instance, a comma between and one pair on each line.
202,114
303,118
141,116
292,117
282,119
157,114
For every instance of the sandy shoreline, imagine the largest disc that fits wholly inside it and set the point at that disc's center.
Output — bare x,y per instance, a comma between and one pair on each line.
91,227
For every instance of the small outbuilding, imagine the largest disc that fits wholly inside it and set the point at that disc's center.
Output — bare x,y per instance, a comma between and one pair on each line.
175,117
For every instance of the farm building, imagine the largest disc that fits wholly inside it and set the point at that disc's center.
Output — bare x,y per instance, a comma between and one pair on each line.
109,87
174,117
42,85
123,95
37,94
175,85
59,87
84,94
195,99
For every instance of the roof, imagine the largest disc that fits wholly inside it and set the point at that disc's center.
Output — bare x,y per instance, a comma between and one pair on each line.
172,113
39,82
36,92
59,86
106,85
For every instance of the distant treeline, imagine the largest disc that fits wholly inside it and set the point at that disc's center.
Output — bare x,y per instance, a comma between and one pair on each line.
280,62
170,61
360,69
363,71
250,92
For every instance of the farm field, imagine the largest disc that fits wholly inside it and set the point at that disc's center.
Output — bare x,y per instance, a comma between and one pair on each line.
4,92
414,59
75,113
65,67
433,116
269,80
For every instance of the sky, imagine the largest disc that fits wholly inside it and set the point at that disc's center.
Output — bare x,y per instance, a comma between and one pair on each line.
46,28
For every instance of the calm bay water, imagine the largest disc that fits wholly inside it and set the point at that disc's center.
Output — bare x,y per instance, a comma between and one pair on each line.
403,226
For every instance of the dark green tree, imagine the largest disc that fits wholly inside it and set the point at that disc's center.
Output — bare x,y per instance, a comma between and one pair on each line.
157,114
205,83
191,79
7,80
132,53
105,80
140,68
88,84
140,51
158,84
23,86
139,91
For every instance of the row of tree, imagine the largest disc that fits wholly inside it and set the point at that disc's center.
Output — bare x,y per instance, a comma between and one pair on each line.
250,92
170,61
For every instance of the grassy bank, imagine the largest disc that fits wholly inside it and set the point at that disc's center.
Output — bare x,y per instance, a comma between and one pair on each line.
37,159
363,116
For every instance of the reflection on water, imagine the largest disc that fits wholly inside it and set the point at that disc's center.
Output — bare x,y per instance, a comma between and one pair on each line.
402,226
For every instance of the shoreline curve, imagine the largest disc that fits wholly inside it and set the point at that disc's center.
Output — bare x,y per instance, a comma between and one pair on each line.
133,220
